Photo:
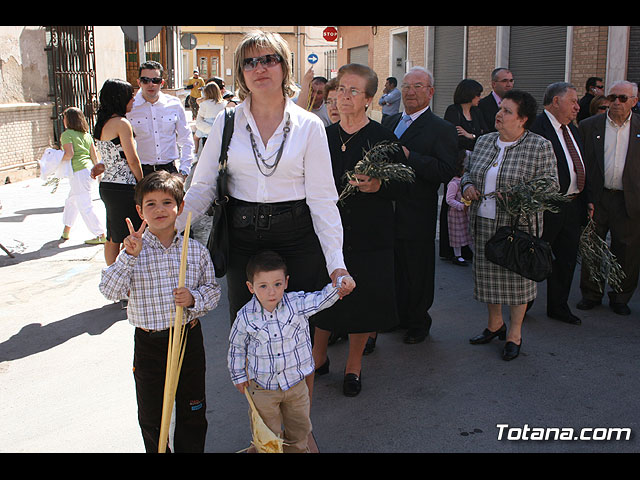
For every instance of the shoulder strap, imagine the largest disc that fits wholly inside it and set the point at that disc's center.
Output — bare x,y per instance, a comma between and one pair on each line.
222,166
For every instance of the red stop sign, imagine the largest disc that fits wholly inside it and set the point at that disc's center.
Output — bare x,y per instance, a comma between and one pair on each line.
330,34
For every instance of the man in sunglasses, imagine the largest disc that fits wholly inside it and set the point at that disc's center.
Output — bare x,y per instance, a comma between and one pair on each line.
594,87
160,125
612,156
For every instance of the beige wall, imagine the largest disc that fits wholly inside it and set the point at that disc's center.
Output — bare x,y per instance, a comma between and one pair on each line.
23,65
109,52
26,129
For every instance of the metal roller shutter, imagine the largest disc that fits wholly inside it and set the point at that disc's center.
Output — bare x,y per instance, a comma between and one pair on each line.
448,61
633,65
537,57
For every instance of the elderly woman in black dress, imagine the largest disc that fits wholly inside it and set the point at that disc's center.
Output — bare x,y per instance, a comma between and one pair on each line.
500,160
367,219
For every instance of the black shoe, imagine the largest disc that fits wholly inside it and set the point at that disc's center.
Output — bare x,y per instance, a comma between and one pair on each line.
324,368
352,384
487,335
414,335
565,316
511,350
620,308
370,346
586,304
459,261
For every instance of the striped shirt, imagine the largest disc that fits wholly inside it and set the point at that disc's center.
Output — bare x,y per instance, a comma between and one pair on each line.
274,348
149,279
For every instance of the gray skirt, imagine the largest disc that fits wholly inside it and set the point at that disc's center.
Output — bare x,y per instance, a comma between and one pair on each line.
493,283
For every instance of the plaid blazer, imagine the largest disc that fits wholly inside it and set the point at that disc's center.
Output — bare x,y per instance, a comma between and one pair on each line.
530,157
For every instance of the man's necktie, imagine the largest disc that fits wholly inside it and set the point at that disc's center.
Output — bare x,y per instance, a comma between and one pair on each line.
403,124
575,157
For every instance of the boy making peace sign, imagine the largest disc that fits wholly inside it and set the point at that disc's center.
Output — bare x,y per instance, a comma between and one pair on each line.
147,270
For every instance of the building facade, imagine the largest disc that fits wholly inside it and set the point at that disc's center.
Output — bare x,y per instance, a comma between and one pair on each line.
537,55
34,77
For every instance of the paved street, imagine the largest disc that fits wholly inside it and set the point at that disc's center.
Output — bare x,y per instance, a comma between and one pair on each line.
66,352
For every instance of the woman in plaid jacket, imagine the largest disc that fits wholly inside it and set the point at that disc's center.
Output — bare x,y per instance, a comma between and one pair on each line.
502,159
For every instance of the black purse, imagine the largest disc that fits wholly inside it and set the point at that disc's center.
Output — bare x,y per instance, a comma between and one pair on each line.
218,242
525,254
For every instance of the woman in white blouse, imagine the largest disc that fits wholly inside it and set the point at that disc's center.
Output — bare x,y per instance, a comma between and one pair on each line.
283,196
210,106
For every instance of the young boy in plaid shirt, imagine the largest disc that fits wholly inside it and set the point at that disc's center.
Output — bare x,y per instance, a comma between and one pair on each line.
270,347
147,270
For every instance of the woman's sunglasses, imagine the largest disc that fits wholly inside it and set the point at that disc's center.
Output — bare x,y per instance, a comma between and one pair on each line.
154,80
270,60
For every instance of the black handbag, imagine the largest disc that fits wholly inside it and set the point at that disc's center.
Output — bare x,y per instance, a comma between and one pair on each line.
218,242
525,254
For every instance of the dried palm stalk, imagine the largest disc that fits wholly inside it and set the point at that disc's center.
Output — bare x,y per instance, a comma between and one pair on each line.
602,265
175,350
377,163
264,439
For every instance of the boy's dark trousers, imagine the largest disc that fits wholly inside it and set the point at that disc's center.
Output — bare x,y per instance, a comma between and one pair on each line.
149,370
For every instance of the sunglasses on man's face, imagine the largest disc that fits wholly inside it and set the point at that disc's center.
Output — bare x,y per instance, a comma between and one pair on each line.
265,60
154,80
622,98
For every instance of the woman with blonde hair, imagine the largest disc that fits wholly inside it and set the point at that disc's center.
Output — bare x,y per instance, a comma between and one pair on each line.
282,194
210,106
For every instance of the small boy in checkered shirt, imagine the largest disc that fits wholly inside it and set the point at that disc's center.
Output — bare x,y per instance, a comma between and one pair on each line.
270,347
147,270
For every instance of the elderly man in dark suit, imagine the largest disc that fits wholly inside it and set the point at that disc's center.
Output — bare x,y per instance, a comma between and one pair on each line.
612,154
562,229
501,82
430,145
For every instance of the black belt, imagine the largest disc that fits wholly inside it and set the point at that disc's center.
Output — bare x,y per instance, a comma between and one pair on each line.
263,215
159,166
165,332
612,190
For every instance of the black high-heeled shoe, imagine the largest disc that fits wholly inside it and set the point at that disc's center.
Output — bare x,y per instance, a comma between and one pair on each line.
352,384
487,335
511,350
324,368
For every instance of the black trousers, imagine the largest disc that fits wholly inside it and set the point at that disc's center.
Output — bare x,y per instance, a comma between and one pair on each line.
285,228
610,216
562,231
149,370
415,276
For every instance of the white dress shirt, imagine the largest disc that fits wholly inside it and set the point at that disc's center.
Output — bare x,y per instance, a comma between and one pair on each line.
616,143
160,128
573,184
304,172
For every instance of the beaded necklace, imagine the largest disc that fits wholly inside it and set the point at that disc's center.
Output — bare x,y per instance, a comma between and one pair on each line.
270,168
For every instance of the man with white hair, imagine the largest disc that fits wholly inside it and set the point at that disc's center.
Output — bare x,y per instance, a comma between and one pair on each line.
562,228
612,154
430,145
